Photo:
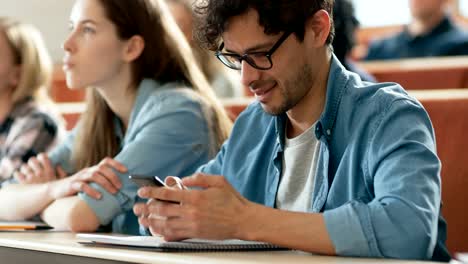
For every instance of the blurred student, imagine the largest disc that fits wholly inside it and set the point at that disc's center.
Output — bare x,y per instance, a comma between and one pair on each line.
149,112
346,24
225,82
432,32
28,123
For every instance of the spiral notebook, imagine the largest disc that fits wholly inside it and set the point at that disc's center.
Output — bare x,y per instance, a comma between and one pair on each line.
158,243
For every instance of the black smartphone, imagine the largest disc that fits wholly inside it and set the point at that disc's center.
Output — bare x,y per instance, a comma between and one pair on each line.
143,181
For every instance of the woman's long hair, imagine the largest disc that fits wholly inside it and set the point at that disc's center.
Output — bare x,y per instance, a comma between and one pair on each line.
166,58
209,65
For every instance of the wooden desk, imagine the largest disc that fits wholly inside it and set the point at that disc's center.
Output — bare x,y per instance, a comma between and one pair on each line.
58,247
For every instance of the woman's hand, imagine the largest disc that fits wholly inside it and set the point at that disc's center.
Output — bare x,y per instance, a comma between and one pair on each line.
101,174
38,170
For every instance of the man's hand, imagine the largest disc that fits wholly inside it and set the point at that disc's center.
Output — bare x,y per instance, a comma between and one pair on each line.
217,211
101,174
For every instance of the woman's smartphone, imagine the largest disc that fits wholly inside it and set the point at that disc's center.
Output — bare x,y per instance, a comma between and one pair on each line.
143,181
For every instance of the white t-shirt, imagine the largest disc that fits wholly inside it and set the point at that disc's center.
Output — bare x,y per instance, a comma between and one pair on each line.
299,166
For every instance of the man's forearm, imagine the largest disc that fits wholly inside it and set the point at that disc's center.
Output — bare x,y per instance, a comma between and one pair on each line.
71,213
302,231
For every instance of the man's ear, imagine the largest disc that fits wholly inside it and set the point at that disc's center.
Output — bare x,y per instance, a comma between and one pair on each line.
318,28
133,48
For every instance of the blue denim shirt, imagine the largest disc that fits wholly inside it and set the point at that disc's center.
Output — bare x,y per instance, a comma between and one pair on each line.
378,175
167,135
446,39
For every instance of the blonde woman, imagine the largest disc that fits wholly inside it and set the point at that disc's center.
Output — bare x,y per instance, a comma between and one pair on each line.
149,112
28,124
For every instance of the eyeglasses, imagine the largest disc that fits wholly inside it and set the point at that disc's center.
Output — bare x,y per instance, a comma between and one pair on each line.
259,60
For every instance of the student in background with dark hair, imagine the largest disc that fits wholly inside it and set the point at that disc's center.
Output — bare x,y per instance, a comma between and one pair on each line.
149,112
346,24
322,162
29,123
432,32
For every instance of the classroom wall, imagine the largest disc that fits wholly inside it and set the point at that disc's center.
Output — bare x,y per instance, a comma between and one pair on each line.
50,16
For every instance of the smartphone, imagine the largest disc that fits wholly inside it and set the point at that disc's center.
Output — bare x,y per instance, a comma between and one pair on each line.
143,181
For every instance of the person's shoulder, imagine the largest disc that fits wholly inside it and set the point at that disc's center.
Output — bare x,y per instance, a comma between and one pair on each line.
252,128
390,92
385,47
254,110
456,44
171,102
172,96
378,97
253,117
389,39
172,91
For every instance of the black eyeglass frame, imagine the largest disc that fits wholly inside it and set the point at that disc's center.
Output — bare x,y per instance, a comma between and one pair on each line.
246,56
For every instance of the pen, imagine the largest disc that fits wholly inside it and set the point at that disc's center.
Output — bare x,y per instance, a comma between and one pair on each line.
24,227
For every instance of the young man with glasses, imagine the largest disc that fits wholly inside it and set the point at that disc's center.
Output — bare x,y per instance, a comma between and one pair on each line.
322,162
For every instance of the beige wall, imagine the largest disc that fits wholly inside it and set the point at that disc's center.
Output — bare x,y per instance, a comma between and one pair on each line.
50,16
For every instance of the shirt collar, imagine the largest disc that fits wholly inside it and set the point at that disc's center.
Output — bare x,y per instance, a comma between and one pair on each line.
336,86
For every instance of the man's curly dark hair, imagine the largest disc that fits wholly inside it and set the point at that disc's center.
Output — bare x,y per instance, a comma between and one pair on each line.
274,15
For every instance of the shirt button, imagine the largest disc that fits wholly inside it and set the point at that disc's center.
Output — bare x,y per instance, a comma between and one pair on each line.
318,130
328,132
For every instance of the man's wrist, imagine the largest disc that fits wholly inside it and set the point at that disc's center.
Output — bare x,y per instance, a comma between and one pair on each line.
247,226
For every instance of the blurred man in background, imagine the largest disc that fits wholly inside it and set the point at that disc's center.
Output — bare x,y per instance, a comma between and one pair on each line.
432,32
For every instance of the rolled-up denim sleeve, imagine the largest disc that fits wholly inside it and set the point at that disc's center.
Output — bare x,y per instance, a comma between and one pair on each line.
401,162
171,138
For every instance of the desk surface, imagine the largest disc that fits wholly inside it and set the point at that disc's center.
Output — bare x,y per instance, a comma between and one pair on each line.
62,243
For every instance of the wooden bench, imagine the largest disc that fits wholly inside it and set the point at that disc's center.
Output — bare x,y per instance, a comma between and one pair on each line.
448,110
423,73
